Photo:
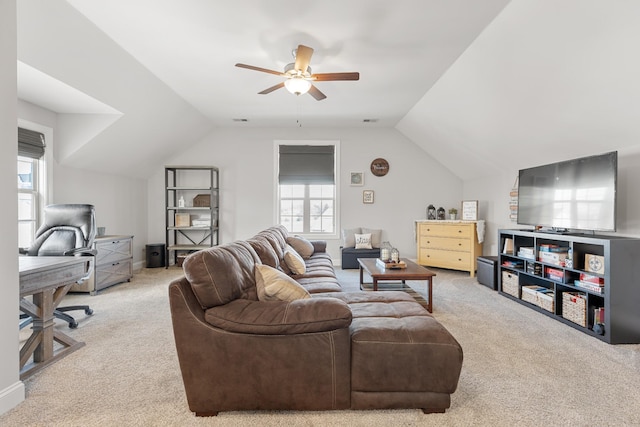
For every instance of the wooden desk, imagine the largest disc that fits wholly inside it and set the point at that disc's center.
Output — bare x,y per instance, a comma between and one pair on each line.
47,279
413,271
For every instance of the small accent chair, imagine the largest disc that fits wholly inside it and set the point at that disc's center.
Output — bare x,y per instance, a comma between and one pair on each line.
67,230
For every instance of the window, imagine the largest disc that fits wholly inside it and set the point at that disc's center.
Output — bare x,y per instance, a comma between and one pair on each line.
306,187
30,161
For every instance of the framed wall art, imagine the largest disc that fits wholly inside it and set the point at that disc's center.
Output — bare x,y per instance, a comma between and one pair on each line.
367,196
470,210
357,178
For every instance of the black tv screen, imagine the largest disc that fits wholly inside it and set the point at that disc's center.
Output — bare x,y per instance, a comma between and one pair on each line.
578,194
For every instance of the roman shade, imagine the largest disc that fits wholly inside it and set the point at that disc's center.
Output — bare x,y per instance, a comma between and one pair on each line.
306,164
30,143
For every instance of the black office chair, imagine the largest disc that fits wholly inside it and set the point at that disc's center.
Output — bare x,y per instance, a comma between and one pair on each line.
67,230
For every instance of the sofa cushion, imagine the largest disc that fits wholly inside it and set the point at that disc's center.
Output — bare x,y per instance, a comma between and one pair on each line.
294,261
349,237
222,273
274,285
281,317
301,245
363,241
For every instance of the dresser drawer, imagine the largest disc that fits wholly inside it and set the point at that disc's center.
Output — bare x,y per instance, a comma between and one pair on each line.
450,244
445,259
112,273
447,230
113,250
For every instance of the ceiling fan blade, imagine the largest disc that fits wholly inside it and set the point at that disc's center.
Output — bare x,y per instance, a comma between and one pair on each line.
303,57
264,70
319,96
271,89
325,77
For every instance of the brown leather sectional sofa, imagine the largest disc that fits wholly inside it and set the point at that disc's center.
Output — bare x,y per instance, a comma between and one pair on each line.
335,350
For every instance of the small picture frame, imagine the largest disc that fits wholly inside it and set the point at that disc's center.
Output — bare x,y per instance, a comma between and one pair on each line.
357,179
367,196
470,210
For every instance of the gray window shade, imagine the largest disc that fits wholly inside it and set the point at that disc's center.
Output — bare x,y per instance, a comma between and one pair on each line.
306,164
30,143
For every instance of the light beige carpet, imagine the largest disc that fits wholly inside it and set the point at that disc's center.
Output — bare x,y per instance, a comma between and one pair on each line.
520,368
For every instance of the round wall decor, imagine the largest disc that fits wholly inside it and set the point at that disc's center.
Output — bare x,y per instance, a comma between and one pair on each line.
379,167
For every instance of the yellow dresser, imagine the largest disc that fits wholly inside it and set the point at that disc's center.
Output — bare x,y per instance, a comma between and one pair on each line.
448,244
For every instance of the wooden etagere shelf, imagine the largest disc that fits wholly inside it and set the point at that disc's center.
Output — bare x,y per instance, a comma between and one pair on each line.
538,261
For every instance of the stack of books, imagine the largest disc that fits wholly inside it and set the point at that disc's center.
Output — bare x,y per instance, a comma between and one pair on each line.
527,253
591,283
553,254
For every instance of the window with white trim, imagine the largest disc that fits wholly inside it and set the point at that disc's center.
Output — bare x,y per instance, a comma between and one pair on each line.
307,191
30,157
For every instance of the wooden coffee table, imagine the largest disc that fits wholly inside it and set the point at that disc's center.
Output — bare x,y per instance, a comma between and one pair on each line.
413,271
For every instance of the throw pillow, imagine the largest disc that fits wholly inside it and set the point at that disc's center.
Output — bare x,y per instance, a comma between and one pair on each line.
274,285
301,245
376,236
363,241
294,261
349,237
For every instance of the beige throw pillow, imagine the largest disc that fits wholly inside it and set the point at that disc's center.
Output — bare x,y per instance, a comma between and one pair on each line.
349,237
274,285
376,236
294,261
304,247
363,241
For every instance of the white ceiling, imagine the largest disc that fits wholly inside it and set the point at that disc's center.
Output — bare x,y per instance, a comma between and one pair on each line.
184,52
474,83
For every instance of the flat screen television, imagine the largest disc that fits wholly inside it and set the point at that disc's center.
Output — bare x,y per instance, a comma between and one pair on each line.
578,194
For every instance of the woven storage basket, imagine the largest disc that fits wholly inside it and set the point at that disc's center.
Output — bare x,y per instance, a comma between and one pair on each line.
574,307
544,301
202,201
510,283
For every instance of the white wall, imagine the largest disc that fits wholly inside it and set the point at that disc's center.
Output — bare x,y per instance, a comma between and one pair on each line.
120,201
11,388
246,161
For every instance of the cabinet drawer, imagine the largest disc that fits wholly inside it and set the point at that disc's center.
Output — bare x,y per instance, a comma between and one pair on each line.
113,250
112,273
446,243
447,230
446,259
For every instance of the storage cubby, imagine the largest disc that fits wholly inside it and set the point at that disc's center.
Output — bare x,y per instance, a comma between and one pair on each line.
578,276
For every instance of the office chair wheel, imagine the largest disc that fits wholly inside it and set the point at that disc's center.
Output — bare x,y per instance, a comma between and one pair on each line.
88,311
73,324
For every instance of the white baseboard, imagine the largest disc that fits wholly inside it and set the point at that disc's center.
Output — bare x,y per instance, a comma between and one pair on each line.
11,397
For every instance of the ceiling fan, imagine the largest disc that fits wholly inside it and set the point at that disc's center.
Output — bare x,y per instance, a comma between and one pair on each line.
299,77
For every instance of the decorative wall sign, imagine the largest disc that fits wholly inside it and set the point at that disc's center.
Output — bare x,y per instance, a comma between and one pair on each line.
379,167
367,196
357,178
470,210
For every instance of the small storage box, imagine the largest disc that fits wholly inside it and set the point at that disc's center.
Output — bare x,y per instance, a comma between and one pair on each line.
202,201
487,271
510,284
532,295
574,307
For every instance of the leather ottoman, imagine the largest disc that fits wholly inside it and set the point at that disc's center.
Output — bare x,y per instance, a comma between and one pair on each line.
350,256
401,356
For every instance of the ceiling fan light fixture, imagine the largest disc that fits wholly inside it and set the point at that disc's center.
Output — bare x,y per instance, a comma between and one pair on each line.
297,85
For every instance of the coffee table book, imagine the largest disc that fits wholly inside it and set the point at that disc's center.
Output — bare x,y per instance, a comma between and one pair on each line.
390,264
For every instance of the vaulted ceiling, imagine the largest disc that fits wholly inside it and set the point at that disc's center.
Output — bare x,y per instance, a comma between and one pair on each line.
467,80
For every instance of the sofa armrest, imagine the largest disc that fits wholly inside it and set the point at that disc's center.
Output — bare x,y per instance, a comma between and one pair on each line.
280,317
319,245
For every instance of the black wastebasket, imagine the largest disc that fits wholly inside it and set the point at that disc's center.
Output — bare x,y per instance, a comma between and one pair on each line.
155,255
488,271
